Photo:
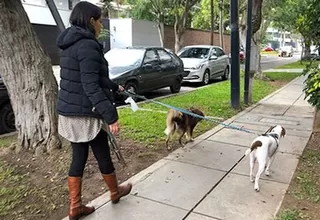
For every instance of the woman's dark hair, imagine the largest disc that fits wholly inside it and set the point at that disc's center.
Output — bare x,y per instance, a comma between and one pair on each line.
82,13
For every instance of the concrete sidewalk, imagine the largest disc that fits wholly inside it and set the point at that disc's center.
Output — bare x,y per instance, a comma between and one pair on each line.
209,178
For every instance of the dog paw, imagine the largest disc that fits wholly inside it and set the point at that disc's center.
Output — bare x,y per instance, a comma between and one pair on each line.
257,189
251,180
267,173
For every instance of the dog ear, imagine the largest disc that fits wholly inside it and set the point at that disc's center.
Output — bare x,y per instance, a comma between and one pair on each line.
283,132
270,129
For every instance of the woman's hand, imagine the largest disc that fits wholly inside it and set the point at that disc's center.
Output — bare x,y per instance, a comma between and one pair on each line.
114,128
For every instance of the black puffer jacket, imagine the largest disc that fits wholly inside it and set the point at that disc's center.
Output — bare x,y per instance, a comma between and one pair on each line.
85,86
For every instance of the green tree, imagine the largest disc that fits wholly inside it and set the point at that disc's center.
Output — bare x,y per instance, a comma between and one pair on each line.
291,16
181,10
107,6
312,83
155,10
202,16
312,21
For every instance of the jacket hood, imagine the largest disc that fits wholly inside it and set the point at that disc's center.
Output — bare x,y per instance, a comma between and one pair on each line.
72,35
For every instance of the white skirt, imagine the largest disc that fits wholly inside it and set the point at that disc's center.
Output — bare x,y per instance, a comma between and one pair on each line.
78,129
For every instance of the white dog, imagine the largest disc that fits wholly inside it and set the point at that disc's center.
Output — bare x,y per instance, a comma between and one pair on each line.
263,149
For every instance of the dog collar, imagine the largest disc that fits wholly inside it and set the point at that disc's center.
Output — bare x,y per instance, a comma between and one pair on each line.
275,136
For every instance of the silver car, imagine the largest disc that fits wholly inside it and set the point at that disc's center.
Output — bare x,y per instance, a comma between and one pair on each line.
204,62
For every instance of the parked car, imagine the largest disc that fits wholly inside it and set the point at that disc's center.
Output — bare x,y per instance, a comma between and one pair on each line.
285,51
204,62
268,49
242,56
143,69
7,123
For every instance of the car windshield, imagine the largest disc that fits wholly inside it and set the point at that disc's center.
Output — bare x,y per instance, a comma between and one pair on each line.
195,52
124,57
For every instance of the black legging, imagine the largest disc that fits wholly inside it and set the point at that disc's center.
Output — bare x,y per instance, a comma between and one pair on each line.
101,151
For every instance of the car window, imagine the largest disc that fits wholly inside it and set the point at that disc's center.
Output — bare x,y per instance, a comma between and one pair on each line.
150,57
220,52
176,60
164,56
195,52
133,57
214,52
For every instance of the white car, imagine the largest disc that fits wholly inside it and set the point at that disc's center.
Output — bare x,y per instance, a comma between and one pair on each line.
285,51
204,62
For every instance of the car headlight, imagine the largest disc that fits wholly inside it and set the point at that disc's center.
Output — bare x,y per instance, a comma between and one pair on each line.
199,66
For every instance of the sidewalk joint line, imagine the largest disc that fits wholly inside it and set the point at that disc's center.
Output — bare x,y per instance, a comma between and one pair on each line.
216,218
162,203
185,162
221,142
215,185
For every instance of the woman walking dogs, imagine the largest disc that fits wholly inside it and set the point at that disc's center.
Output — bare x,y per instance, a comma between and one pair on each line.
85,104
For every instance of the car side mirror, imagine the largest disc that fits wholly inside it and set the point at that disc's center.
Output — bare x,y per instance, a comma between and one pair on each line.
147,66
213,57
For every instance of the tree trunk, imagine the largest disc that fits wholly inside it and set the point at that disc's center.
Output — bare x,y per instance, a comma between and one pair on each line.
301,55
307,49
180,22
177,36
316,121
160,31
221,24
27,73
255,55
243,36
177,43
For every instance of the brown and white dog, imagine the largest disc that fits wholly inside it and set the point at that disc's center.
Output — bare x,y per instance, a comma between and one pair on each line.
182,122
263,150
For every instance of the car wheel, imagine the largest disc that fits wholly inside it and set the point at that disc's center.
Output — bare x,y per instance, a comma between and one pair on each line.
133,88
206,78
7,121
175,88
225,74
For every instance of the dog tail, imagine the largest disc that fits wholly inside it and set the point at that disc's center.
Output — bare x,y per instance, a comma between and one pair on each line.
168,130
171,124
254,146
248,151
171,127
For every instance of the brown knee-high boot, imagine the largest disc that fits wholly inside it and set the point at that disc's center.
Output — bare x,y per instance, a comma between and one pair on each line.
76,208
116,191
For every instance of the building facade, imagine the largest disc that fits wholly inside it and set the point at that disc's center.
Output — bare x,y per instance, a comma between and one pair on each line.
45,25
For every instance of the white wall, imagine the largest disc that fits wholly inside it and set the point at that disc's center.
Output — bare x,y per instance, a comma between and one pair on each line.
125,32
145,33
39,14
120,32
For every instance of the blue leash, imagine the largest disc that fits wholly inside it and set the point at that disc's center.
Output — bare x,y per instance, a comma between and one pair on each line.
127,93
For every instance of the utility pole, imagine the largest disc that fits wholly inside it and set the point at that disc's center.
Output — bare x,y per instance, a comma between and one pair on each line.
55,13
235,61
221,24
247,77
212,21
